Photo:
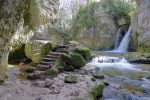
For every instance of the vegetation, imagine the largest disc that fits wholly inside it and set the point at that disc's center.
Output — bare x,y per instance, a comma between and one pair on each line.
84,18
120,8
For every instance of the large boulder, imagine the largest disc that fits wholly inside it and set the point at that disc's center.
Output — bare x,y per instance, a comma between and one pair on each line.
141,26
37,49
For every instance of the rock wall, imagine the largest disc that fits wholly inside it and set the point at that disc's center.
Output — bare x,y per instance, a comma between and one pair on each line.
141,26
102,34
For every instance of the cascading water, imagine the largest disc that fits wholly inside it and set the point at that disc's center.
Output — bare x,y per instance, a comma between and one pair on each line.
117,38
123,47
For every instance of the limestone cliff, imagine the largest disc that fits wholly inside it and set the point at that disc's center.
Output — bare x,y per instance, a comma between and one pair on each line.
141,26
101,34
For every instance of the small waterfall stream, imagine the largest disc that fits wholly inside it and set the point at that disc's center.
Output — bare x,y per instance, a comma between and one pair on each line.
123,46
118,38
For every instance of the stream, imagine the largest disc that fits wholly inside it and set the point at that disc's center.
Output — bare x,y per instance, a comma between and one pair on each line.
126,81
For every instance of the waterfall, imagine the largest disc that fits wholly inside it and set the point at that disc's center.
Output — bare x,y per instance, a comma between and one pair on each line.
123,47
117,38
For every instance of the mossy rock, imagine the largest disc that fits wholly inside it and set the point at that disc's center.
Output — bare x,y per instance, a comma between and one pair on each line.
46,48
2,81
37,49
17,54
30,69
66,58
32,64
71,79
53,71
69,68
77,60
84,52
97,91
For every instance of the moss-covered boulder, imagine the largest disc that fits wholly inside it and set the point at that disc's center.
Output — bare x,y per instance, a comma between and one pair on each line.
84,52
53,71
77,60
37,49
97,91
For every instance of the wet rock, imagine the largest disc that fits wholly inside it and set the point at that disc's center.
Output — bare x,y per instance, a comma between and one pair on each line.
71,79
93,79
98,76
105,83
97,91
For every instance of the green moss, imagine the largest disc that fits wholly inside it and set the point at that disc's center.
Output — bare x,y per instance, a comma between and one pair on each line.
93,79
71,79
84,52
30,69
53,71
69,68
46,49
97,91
32,64
77,60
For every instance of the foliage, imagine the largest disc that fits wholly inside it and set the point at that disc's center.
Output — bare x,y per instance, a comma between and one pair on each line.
119,8
84,18
64,34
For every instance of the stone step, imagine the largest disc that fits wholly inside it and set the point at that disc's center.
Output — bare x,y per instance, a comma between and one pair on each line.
61,46
51,56
43,67
61,51
36,75
57,53
49,59
46,63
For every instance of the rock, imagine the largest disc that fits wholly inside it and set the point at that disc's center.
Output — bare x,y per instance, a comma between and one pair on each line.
30,69
97,91
48,82
17,54
101,35
84,52
105,83
36,75
1,81
141,27
98,76
37,49
69,68
71,79
93,79
77,60
138,57
53,72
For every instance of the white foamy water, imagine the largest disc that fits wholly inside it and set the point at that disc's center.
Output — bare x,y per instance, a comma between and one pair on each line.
104,62
123,46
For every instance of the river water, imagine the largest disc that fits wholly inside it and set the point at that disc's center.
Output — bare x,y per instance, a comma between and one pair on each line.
126,81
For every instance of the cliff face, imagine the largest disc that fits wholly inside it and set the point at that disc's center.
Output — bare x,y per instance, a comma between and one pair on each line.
141,26
102,34
15,14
